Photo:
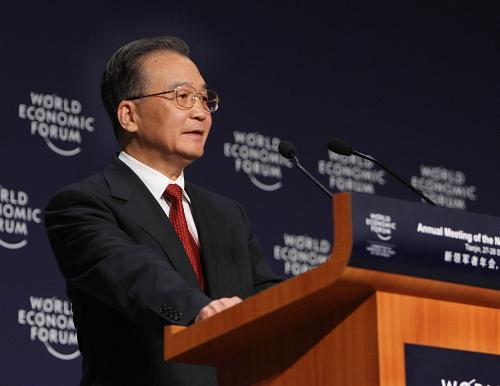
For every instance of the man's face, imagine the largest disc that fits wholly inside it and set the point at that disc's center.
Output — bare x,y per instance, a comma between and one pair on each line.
166,131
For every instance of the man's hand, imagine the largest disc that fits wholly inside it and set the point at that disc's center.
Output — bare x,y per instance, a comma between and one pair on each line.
216,306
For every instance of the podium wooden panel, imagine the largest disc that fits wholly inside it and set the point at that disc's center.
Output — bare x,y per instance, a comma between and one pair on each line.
338,325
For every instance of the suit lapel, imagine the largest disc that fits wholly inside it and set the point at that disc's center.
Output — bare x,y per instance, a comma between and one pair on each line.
143,208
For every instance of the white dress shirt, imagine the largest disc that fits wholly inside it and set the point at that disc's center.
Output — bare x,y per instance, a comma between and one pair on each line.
156,183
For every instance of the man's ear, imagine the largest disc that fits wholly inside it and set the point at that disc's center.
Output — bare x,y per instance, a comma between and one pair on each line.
127,116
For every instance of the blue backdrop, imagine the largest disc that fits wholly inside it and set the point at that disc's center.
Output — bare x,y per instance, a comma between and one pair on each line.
416,87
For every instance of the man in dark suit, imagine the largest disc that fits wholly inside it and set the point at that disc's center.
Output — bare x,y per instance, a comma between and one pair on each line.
138,246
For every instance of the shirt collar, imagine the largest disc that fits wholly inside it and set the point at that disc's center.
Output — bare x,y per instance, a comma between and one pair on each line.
155,181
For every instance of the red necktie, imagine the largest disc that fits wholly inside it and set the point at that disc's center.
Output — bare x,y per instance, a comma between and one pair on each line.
174,194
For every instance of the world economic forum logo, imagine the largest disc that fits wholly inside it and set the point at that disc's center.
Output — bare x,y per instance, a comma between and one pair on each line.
472,382
351,173
50,322
59,121
300,253
15,216
257,156
381,224
446,187
383,227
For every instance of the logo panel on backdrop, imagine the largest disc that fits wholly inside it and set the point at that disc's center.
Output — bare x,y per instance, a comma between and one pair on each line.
15,215
258,157
50,322
59,121
300,253
446,187
351,173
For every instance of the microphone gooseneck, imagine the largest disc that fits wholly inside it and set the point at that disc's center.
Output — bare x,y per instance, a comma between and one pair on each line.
340,147
287,150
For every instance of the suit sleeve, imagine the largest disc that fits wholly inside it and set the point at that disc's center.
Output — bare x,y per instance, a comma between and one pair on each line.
97,257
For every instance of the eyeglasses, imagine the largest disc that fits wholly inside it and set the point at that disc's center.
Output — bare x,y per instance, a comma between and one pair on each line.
186,97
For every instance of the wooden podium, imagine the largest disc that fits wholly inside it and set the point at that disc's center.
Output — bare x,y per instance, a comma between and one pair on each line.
338,324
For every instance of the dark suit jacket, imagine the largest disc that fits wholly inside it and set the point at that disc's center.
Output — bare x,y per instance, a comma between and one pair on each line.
128,275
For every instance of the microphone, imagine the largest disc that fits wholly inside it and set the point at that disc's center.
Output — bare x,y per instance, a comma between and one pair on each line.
340,147
287,150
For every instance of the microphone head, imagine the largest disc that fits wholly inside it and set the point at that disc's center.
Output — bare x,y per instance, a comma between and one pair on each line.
286,149
339,147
